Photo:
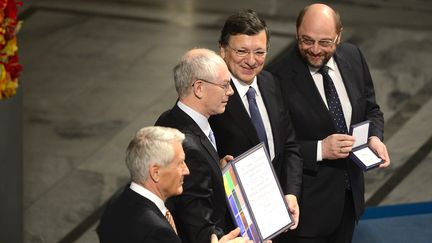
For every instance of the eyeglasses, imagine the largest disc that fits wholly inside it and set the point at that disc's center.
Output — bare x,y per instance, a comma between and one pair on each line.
244,53
311,42
225,86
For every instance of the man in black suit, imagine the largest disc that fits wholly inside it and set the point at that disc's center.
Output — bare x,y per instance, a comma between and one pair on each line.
155,160
332,197
202,82
244,43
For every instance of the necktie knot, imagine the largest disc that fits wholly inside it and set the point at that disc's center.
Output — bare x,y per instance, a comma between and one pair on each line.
251,93
170,219
323,70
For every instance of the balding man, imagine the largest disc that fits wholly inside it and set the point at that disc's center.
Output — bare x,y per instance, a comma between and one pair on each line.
332,195
202,81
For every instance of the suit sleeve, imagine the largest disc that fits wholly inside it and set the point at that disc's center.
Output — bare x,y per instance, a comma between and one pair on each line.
194,208
306,149
292,166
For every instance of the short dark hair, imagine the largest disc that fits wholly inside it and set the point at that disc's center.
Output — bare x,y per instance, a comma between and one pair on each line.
245,22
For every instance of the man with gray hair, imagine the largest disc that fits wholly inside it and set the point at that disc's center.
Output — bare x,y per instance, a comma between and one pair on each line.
155,160
202,81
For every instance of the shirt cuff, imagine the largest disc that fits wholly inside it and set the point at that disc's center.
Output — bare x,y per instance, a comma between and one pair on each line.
319,151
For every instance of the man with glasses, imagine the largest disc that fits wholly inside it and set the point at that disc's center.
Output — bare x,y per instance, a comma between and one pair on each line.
202,82
327,87
254,113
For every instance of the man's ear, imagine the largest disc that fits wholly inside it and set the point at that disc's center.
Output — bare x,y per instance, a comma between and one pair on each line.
222,51
197,89
339,37
154,172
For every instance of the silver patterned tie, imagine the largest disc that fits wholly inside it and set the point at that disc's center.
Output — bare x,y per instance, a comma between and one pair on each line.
212,138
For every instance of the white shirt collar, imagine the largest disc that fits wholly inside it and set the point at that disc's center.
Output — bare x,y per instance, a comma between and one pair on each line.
242,88
199,119
149,195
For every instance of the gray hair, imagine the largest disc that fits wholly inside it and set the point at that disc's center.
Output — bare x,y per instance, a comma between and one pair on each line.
151,145
196,64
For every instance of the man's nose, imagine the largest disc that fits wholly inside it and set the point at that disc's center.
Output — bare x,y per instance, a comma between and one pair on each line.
186,170
250,59
315,48
230,91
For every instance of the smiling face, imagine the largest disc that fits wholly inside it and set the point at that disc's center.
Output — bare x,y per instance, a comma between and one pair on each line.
318,24
245,68
171,176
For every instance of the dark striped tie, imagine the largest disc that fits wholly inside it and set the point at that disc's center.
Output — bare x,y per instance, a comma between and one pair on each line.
170,219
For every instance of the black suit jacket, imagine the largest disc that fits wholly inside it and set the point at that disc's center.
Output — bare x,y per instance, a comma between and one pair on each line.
202,208
323,188
235,132
132,218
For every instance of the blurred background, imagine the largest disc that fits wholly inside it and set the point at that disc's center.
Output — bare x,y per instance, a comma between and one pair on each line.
96,71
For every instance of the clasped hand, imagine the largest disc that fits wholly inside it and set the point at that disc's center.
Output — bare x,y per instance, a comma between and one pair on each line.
337,146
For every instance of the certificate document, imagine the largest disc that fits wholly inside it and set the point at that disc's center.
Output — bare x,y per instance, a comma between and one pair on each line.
256,201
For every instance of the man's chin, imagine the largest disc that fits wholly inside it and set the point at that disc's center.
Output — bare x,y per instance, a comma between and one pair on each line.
247,78
179,191
315,64
222,109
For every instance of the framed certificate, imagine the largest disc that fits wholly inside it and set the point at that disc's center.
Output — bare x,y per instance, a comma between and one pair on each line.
254,196
361,153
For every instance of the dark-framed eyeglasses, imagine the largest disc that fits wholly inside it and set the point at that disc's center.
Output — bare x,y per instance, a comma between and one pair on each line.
225,86
311,42
244,53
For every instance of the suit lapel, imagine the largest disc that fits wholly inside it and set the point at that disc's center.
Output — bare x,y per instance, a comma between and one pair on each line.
345,72
145,202
209,147
306,86
268,92
190,124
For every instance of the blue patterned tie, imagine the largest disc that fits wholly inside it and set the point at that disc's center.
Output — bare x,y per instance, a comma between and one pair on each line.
256,117
333,102
335,108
